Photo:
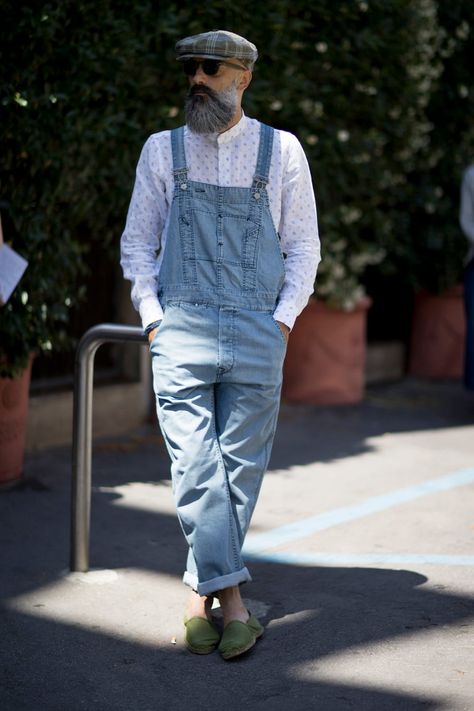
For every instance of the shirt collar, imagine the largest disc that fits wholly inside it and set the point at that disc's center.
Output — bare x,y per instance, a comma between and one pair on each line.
233,132
225,137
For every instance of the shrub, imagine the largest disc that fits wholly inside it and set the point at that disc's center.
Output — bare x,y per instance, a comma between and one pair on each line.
360,83
436,243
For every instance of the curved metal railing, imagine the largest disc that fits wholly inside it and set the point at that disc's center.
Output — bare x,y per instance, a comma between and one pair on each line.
82,432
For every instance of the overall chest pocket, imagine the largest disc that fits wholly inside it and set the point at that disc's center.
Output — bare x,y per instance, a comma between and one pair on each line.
223,237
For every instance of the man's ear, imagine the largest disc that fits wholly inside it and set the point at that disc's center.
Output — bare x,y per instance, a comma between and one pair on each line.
245,80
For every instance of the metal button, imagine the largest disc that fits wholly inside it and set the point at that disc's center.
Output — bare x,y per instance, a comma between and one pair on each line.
184,186
256,196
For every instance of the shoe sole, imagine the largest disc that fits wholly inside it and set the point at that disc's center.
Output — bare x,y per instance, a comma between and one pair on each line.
205,650
232,655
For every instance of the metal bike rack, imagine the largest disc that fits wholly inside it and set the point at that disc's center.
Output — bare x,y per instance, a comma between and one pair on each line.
82,432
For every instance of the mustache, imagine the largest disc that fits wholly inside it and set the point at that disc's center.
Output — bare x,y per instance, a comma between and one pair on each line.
202,89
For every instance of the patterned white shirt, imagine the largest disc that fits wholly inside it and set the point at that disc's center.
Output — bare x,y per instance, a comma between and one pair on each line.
228,160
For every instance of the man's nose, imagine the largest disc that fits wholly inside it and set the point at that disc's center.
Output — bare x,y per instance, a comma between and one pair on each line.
200,75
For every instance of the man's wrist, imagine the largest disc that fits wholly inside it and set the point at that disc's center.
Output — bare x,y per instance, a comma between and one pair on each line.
151,327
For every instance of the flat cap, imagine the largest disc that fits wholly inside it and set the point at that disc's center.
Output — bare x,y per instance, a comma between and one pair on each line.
218,44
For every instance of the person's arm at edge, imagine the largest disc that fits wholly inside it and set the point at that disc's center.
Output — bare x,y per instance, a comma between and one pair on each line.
298,231
142,238
466,210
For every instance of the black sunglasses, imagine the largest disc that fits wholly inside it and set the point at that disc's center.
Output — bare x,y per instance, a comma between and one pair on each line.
209,66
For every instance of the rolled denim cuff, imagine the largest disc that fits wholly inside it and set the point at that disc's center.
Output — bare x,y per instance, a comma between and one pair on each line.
224,581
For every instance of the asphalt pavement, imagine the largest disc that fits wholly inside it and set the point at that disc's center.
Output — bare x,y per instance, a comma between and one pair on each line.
361,552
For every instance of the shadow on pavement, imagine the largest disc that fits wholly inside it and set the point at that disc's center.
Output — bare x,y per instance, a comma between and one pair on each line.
324,434
313,613
55,666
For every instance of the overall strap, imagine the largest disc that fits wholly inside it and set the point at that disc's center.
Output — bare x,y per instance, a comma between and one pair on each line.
180,169
264,156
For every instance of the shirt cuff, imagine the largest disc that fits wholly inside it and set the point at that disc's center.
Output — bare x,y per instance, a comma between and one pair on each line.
286,314
150,310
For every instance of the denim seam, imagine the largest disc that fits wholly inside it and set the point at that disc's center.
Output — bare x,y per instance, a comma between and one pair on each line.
220,239
282,336
186,238
250,244
225,215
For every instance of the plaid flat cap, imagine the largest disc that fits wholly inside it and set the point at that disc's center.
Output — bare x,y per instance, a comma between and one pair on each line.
218,44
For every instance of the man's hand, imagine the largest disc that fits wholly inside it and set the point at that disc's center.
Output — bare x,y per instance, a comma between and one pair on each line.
285,330
152,334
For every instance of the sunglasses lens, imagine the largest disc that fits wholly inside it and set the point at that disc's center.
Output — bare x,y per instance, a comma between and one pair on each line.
209,67
190,67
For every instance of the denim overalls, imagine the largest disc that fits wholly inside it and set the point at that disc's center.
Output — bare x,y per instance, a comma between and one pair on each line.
217,361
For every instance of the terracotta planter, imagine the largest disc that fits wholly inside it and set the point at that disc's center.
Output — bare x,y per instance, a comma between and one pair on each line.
14,394
438,335
326,355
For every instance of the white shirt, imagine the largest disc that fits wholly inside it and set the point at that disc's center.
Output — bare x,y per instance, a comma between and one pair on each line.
227,159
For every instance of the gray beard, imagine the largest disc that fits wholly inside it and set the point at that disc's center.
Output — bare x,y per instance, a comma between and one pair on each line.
210,113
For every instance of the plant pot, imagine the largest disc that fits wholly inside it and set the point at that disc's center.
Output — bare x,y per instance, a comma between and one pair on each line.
14,394
438,335
325,361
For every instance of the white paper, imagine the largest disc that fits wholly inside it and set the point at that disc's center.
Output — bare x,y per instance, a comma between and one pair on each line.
12,267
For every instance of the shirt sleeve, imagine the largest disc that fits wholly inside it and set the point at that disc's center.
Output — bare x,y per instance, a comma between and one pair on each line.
298,233
466,211
141,238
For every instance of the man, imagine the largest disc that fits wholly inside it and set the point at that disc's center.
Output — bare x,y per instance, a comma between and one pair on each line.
229,204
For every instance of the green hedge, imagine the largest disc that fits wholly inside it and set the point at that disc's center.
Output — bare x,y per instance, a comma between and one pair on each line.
436,246
378,92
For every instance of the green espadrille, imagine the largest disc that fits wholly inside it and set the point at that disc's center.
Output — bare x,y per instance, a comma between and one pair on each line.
201,637
239,637
255,626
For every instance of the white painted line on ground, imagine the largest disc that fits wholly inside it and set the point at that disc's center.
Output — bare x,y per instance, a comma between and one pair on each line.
363,559
282,535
